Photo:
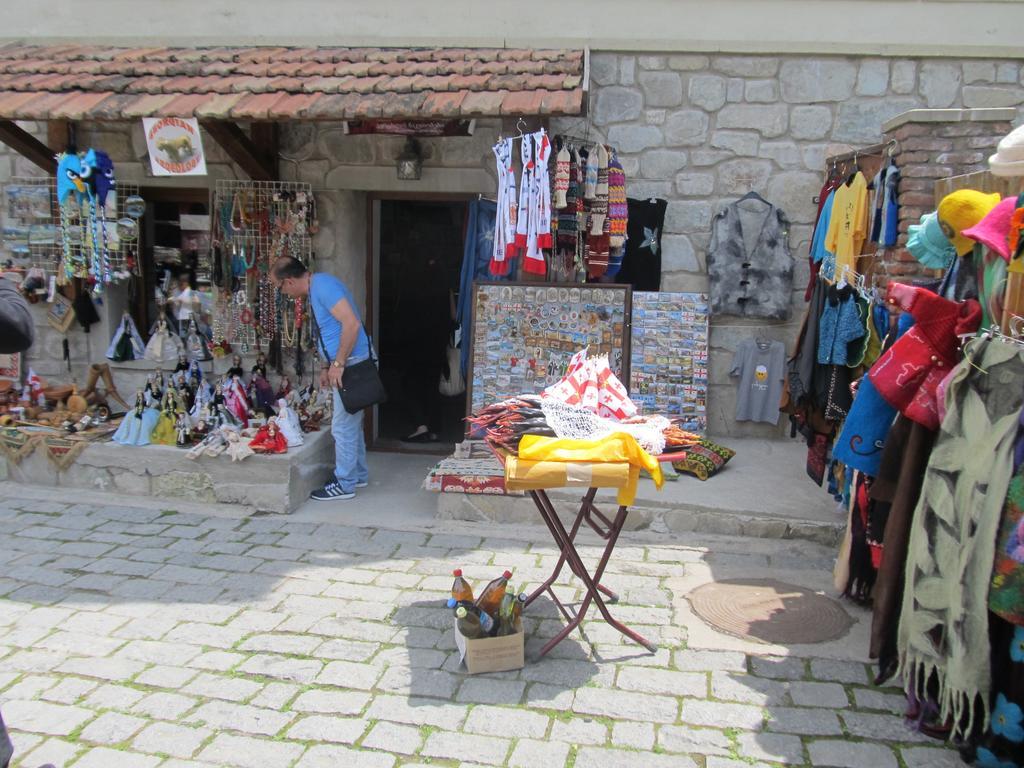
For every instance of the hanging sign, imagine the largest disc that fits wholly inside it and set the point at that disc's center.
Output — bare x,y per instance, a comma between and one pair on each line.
175,146
421,128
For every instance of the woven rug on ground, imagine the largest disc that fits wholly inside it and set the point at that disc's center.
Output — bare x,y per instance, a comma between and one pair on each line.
770,611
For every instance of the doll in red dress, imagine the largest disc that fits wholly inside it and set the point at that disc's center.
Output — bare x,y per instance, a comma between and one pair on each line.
269,439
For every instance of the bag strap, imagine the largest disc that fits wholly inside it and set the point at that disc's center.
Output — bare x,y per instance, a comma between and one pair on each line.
320,338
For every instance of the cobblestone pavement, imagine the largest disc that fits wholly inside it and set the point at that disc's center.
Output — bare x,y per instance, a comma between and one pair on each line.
133,637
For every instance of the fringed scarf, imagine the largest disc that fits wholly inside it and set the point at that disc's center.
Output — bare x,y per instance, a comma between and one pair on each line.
944,632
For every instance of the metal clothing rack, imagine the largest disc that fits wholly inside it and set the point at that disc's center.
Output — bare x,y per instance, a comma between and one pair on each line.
875,150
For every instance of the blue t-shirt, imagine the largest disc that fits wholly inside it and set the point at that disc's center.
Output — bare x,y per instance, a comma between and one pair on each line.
324,292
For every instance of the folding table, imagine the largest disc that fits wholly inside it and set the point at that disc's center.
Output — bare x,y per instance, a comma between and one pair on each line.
607,529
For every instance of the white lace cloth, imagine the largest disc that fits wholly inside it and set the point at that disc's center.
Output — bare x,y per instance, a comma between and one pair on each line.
570,421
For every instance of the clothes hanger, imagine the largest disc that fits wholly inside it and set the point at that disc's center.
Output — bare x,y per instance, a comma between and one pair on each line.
752,195
856,170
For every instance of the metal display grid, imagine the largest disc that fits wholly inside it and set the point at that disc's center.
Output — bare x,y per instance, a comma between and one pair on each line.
31,231
254,223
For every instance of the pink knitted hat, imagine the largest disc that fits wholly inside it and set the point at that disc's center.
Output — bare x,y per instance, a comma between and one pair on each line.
993,230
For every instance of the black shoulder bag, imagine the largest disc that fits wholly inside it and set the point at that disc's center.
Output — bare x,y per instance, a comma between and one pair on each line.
361,386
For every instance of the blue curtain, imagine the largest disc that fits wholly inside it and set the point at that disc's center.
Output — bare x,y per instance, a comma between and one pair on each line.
476,260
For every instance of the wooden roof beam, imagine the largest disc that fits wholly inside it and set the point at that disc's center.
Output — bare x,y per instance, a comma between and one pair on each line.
28,146
256,156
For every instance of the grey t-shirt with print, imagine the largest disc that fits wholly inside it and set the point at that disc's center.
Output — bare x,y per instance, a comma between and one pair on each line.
760,366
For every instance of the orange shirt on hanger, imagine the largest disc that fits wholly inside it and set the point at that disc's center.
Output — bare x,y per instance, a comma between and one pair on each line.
848,226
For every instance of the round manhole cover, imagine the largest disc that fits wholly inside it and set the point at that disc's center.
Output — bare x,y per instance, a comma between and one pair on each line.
770,611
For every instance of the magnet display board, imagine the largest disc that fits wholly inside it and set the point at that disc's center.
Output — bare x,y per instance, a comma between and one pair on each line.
523,335
669,356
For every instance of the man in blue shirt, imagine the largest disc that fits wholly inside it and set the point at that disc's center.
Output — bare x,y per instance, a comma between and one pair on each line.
342,342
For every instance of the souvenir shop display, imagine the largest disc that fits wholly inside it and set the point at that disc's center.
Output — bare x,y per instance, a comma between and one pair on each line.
750,266
668,372
524,335
925,460
255,223
566,217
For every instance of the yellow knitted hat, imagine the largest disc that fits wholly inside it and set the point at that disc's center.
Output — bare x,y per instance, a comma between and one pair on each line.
961,210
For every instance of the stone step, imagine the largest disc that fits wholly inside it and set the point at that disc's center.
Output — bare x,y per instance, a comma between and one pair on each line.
644,515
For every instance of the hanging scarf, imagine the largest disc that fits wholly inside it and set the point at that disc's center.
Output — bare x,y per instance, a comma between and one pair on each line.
505,220
944,632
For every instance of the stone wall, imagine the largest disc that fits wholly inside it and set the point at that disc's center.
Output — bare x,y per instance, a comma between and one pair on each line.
700,131
933,145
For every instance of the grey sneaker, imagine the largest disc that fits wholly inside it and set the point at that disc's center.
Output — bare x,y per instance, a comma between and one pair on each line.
362,485
331,492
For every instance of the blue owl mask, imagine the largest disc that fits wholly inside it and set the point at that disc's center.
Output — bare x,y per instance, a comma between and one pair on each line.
99,170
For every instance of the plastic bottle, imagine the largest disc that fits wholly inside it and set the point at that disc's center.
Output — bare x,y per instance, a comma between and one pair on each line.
461,590
490,599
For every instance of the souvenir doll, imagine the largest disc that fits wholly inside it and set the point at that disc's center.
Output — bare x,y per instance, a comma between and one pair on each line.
284,388
164,432
127,343
260,367
235,400
195,343
261,395
236,367
163,346
183,438
288,423
152,390
201,430
237,448
138,423
182,362
269,439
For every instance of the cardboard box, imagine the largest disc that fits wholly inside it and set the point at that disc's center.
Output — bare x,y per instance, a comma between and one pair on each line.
492,654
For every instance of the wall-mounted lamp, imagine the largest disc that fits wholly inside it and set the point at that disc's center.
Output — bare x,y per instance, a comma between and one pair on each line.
410,161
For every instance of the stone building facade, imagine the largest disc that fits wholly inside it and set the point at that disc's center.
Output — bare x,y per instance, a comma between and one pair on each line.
697,130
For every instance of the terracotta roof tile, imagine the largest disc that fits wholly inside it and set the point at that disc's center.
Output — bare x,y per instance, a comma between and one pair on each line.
184,106
77,105
257,106
263,82
336,106
444,104
149,104
483,103
292,105
113,107
219,105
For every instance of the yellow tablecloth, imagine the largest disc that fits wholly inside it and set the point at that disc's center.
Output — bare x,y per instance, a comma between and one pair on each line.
604,460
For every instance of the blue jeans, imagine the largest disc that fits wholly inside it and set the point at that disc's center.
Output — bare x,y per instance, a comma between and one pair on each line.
349,444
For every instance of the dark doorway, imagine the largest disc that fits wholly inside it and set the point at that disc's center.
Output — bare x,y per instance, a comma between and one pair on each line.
421,247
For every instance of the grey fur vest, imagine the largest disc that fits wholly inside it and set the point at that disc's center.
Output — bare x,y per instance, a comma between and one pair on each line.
757,282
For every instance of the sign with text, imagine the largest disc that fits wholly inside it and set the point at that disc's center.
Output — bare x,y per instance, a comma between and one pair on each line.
175,146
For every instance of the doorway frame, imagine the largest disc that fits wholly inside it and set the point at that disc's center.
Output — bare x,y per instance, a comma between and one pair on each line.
373,200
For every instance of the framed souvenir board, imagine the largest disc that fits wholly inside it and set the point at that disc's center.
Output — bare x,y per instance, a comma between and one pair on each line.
669,356
525,333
